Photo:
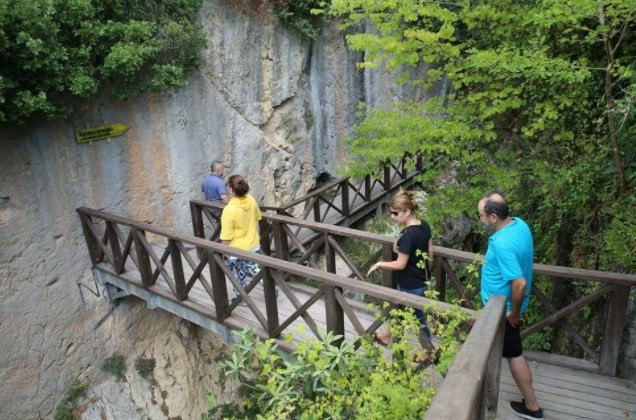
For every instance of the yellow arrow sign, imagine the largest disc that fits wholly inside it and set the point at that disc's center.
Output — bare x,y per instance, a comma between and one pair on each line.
99,133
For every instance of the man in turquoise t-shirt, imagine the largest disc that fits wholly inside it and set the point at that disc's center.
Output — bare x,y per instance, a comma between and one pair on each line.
507,271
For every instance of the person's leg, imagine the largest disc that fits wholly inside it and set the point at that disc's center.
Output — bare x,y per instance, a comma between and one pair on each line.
520,371
419,313
236,265
382,335
252,268
523,378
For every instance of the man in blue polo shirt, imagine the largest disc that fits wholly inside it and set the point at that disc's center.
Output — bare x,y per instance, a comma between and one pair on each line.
213,185
507,271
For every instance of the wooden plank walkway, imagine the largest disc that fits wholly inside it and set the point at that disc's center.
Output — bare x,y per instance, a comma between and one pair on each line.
199,297
568,394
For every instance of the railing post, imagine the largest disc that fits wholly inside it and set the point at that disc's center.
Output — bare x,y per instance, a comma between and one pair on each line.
345,198
387,177
177,270
269,285
143,259
388,276
197,225
219,287
493,370
334,312
94,250
613,330
367,187
440,279
419,163
280,242
115,248
317,208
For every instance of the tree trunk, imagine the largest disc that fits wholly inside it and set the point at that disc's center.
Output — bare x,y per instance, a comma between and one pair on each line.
609,100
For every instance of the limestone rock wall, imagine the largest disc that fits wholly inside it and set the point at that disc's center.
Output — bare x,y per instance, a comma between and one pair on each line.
272,106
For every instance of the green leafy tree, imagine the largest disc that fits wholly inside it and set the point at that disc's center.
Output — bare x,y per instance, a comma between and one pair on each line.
54,50
297,15
540,105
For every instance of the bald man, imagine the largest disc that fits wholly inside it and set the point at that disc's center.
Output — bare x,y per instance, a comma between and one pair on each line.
507,271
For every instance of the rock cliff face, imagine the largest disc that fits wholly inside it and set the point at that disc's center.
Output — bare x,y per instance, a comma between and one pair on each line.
272,106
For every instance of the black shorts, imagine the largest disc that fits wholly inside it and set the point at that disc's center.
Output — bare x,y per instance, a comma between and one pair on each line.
512,341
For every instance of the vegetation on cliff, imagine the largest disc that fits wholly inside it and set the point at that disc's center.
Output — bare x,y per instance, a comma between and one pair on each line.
54,50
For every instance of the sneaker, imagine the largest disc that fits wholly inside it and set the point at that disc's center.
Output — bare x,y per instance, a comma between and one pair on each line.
519,408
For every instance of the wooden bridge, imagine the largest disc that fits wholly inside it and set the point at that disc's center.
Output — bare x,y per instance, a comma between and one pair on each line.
187,275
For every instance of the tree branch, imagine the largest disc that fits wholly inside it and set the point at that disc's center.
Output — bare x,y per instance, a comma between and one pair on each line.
623,32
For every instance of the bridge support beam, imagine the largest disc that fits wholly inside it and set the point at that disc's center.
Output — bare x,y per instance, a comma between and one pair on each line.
114,293
153,301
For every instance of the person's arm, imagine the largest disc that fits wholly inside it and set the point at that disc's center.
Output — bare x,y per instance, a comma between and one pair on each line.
221,190
518,293
397,265
431,252
227,227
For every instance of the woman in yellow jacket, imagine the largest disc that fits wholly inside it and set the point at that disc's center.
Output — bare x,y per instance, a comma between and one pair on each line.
238,228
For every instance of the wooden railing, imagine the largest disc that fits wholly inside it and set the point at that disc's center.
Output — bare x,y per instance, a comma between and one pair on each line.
291,235
117,241
472,383
345,197
117,245
282,236
614,287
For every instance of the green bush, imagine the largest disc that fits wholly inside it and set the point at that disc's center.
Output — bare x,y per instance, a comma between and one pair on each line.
115,365
322,379
64,410
53,51
144,366
297,14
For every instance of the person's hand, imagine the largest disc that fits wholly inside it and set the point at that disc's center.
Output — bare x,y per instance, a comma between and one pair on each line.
513,319
374,267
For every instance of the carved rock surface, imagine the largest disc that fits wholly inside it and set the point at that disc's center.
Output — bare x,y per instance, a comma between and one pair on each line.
186,369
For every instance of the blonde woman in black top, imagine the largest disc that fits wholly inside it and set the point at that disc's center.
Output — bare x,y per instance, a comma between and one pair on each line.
414,253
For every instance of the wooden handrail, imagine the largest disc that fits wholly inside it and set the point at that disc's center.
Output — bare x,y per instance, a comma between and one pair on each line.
312,194
346,179
474,373
380,292
616,288
450,253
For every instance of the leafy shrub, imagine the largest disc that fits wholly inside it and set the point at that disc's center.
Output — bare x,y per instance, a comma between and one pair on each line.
115,365
53,51
64,410
620,238
297,14
300,15
144,366
323,379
